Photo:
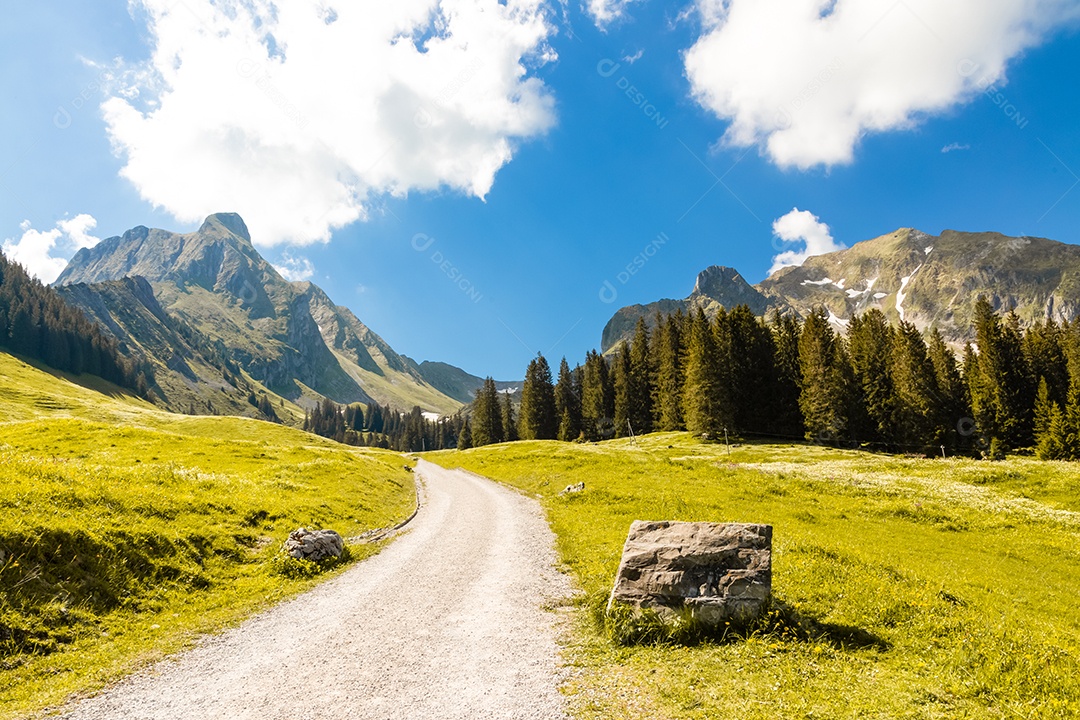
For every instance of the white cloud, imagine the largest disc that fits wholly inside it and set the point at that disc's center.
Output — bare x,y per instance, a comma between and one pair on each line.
802,226
953,147
45,254
605,12
631,59
295,268
806,79
298,113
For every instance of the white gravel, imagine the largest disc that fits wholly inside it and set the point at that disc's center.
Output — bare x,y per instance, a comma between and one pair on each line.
447,622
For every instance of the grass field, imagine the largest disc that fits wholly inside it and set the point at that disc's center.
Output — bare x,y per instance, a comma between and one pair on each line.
904,588
128,532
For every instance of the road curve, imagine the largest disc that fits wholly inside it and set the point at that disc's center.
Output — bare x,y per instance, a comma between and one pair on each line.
446,622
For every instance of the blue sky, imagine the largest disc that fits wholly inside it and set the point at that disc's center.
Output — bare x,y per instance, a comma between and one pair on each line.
476,191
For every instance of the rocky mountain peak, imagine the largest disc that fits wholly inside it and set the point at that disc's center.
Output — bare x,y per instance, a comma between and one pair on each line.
230,222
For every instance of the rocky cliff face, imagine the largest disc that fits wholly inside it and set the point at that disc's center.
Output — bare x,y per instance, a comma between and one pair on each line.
716,287
929,280
288,336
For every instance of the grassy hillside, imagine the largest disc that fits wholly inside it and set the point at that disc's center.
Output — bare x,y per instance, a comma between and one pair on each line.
128,532
904,588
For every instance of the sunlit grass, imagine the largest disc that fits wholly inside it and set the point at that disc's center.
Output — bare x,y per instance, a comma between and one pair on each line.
128,532
904,588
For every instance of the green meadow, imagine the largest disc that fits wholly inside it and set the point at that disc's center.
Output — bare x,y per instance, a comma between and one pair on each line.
903,588
129,532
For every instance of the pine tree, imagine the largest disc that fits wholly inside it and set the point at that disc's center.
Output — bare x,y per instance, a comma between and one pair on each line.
597,398
870,342
640,381
919,421
1000,383
1044,348
621,373
703,405
787,420
567,404
508,421
487,427
825,394
669,378
751,357
464,441
953,399
538,420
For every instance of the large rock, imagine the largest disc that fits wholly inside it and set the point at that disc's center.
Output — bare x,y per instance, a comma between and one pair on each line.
719,572
315,545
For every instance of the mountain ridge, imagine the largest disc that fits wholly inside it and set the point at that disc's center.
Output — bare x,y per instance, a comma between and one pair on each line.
288,336
929,280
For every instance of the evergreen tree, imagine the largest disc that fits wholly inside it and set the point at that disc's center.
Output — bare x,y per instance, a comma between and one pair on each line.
999,383
567,404
870,341
920,414
669,380
487,427
952,391
508,421
751,359
703,394
621,373
1044,406
597,398
825,394
1044,349
787,420
639,409
538,420
464,441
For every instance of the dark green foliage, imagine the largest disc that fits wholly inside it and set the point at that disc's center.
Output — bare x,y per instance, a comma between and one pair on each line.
640,380
567,404
508,421
706,406
827,381
464,440
752,373
597,398
952,393
382,427
884,386
487,425
36,323
920,412
668,350
1000,382
786,416
538,420
870,344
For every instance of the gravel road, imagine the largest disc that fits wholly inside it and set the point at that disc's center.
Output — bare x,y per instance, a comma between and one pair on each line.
446,622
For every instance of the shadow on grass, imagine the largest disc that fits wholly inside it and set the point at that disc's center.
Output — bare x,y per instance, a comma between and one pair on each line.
781,622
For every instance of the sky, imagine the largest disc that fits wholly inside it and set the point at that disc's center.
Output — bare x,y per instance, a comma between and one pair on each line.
481,181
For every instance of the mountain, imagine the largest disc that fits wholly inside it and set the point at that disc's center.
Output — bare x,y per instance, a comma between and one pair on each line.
190,372
931,281
286,336
457,383
716,287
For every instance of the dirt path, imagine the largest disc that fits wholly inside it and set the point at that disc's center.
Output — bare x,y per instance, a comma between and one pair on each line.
445,623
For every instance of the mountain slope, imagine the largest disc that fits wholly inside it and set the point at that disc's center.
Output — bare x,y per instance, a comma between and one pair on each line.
931,281
457,383
190,373
288,336
716,287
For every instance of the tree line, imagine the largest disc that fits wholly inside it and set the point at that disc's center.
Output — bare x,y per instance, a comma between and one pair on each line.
879,386
382,426
36,322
